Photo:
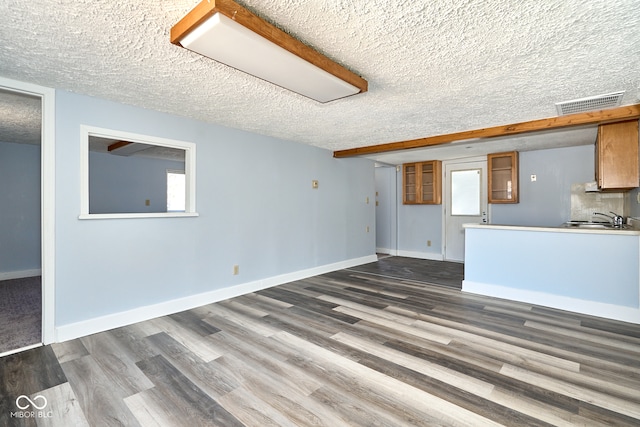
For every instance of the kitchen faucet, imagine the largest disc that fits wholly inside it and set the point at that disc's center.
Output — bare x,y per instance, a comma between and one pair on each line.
616,220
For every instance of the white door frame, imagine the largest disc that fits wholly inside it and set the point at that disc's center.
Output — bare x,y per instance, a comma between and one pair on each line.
446,196
47,194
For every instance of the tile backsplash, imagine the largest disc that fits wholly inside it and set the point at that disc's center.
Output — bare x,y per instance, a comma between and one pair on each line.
584,204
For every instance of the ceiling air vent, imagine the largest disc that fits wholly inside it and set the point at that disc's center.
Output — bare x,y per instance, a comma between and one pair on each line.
591,103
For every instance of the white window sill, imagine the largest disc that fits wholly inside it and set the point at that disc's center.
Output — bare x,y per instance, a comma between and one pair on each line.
140,215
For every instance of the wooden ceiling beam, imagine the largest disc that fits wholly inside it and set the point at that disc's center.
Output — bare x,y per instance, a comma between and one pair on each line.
627,112
118,144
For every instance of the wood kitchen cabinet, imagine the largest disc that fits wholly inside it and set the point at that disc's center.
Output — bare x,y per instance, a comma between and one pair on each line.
421,183
503,177
617,156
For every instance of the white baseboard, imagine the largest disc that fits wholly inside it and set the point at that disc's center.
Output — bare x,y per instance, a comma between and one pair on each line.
387,251
421,255
9,275
140,314
593,308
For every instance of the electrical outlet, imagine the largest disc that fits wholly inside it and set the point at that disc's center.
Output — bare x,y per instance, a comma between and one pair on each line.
367,200
428,242
533,178
367,228
236,270
147,202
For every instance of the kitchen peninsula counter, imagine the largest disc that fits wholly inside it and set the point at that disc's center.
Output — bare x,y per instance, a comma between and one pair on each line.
559,229
591,271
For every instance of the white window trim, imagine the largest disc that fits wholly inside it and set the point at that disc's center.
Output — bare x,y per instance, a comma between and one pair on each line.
189,169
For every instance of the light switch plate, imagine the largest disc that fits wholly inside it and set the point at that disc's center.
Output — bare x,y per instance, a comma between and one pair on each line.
533,178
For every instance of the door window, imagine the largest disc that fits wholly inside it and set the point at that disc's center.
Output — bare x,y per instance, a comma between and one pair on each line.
465,192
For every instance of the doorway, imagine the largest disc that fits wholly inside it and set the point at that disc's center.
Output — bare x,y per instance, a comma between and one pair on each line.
38,260
465,201
386,209
20,239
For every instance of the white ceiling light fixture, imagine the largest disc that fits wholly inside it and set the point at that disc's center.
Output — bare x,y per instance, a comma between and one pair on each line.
228,33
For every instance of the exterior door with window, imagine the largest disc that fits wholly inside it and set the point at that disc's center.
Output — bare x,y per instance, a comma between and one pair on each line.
465,202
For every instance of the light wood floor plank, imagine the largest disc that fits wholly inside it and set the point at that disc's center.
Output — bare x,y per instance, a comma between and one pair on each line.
100,397
184,336
382,321
150,411
63,408
253,411
106,351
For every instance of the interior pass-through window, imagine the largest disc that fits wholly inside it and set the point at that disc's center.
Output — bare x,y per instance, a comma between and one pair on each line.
128,175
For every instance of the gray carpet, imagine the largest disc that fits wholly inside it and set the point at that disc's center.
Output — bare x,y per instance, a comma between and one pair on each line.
20,313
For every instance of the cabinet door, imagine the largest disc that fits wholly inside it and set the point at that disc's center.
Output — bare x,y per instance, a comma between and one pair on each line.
503,177
431,185
410,183
617,155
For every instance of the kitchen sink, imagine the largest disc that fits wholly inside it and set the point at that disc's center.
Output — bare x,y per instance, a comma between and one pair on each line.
591,225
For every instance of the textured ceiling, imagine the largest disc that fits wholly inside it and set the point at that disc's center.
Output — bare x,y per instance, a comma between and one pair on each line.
433,67
20,118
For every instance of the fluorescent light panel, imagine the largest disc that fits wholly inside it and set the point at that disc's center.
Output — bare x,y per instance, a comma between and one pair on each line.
217,36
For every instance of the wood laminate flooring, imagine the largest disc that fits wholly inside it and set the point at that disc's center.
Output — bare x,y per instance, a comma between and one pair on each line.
443,273
348,348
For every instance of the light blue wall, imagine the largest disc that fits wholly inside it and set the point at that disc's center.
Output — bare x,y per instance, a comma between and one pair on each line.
418,224
256,205
120,184
19,207
547,201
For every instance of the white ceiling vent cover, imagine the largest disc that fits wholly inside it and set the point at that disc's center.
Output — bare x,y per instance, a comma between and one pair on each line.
591,103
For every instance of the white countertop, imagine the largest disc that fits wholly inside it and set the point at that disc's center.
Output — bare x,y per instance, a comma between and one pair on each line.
559,229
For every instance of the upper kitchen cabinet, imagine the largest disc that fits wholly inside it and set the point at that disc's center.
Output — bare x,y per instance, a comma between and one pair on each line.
617,156
503,177
421,183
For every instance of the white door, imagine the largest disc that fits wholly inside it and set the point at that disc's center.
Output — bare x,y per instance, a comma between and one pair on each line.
465,201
